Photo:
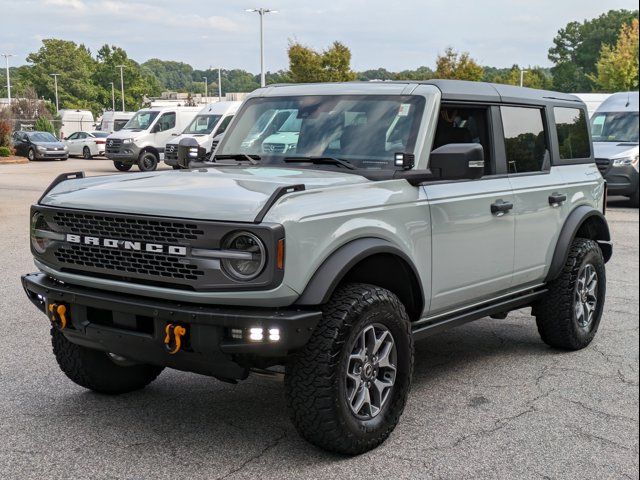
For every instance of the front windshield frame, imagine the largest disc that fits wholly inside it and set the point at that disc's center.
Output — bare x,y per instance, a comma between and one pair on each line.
627,119
134,123
212,121
42,137
384,116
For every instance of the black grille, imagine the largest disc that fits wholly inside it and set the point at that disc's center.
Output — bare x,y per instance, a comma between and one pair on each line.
171,151
273,147
113,145
161,265
603,164
214,144
119,228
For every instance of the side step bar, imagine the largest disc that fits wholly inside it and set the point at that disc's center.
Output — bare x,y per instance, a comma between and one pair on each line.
431,327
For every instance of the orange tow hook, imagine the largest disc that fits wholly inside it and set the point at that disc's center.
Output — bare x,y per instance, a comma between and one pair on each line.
173,338
58,315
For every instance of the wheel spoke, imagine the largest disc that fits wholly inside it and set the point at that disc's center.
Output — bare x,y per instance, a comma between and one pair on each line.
379,341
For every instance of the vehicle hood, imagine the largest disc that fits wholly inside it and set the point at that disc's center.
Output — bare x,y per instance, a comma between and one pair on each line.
122,134
222,193
200,138
614,150
287,138
49,144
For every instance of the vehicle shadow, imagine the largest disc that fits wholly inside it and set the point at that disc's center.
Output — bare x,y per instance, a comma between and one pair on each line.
204,417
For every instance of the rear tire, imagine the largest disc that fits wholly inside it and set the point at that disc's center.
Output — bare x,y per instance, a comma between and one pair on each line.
122,167
86,153
325,382
569,315
94,370
31,154
148,161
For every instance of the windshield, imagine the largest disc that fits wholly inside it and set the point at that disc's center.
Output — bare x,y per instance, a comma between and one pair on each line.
42,137
202,124
615,127
141,121
365,130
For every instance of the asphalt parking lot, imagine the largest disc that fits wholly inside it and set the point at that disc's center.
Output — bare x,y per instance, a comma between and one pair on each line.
489,399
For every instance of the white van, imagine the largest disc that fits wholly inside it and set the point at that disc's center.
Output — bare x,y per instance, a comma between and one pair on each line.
75,121
615,132
114,121
142,140
210,122
592,101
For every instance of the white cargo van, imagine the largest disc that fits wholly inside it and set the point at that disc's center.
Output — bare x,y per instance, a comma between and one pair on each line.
142,140
75,121
114,121
210,122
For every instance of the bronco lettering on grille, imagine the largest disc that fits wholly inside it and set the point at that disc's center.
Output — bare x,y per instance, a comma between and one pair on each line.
127,244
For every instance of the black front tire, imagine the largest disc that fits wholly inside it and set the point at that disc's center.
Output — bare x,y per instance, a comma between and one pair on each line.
148,161
556,313
315,380
176,167
31,154
94,370
635,199
122,167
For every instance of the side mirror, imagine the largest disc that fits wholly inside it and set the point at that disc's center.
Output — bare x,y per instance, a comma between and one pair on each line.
458,161
189,151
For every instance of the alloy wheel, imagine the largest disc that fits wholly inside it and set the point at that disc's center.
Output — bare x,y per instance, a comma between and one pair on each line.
586,296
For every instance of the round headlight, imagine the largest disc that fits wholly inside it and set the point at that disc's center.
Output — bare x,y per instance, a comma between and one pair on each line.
38,222
251,260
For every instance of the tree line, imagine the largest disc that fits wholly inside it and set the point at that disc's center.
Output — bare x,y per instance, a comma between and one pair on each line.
600,54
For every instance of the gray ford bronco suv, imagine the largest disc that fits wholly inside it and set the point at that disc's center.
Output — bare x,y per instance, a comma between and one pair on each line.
396,210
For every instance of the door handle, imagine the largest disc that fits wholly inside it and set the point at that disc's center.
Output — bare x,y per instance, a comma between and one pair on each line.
500,207
555,199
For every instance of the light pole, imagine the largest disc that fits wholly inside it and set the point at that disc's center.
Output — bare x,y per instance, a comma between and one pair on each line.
262,12
121,67
219,85
55,83
113,96
6,59
206,87
522,71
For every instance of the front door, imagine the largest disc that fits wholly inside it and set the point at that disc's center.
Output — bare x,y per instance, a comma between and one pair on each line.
164,129
473,225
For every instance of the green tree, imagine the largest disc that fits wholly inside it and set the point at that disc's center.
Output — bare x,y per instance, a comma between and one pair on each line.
458,66
43,124
75,67
534,77
174,76
331,65
617,69
576,48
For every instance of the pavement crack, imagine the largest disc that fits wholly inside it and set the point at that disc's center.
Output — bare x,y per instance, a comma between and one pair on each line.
253,458
592,436
598,412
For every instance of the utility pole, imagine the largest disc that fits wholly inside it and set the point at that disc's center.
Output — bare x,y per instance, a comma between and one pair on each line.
121,67
262,12
55,82
6,59
206,87
113,96
219,85
522,70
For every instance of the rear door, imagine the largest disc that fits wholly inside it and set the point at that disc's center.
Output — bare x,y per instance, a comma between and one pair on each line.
539,190
473,226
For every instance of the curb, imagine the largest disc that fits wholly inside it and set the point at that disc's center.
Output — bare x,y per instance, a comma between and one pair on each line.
13,160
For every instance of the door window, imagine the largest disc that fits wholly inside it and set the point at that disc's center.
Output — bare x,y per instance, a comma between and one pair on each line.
573,135
224,124
73,136
465,125
525,139
167,121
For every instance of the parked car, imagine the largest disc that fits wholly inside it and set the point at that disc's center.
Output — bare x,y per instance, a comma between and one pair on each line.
113,121
404,209
39,146
142,140
615,132
86,144
210,122
75,121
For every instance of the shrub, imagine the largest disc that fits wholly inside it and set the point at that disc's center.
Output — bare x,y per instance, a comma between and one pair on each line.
43,125
5,152
5,133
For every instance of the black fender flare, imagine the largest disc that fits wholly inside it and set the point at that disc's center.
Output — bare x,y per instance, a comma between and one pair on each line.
572,225
331,272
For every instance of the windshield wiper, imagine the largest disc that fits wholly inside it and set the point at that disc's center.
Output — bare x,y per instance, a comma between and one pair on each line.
238,157
320,161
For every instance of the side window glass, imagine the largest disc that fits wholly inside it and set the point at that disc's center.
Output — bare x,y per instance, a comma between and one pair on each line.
573,135
224,124
73,136
525,139
167,121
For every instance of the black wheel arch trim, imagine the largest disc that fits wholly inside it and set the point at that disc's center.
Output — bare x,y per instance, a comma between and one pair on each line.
570,229
335,267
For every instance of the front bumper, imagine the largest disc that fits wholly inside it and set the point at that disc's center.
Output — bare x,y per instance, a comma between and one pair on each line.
52,155
622,180
134,327
123,153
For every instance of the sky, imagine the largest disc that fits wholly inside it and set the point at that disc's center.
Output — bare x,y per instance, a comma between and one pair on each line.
399,35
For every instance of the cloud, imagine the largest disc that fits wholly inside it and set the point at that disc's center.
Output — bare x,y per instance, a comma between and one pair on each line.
77,5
